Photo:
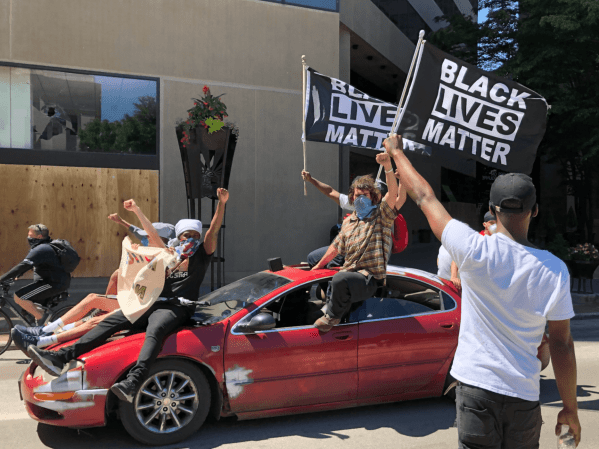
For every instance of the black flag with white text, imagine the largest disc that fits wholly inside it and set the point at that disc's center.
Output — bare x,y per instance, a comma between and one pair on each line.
462,111
336,112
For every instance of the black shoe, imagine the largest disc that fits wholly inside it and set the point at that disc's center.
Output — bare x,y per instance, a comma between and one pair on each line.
125,390
23,341
33,330
47,360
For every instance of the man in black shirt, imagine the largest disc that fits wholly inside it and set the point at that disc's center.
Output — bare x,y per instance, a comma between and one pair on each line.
175,306
49,276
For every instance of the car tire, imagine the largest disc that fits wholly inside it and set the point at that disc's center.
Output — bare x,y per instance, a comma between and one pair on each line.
151,421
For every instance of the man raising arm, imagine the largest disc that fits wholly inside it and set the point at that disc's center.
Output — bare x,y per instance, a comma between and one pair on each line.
503,320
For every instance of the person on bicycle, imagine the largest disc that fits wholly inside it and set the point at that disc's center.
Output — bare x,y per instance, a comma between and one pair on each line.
49,276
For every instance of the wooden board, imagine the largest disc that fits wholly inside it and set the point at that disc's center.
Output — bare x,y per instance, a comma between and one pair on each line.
74,203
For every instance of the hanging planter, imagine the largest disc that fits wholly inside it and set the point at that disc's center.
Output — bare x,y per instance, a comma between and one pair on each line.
207,146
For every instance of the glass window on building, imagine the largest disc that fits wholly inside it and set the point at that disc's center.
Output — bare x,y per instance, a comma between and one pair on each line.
404,16
48,110
328,5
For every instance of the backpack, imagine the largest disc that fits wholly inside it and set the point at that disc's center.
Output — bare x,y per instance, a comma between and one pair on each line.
400,234
69,259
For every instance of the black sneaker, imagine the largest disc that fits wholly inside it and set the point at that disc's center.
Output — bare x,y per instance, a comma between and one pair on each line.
46,360
125,390
33,330
23,341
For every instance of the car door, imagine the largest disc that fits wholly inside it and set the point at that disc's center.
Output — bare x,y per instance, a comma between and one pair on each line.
290,366
404,339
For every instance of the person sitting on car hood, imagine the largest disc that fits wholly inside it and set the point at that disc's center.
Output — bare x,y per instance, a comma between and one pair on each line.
176,305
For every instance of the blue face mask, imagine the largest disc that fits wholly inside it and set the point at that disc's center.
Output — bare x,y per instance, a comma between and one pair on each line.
364,207
145,241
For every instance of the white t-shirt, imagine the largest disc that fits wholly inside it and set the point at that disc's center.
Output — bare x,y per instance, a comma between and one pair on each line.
344,203
444,269
509,291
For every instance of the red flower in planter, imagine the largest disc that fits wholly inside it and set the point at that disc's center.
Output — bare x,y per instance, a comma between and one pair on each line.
205,89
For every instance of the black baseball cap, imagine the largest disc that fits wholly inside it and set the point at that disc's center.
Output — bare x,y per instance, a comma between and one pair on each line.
517,187
489,217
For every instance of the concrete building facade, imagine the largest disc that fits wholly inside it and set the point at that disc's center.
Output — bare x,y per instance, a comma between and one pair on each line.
249,50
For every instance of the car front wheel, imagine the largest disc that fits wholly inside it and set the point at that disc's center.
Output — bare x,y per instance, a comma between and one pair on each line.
171,404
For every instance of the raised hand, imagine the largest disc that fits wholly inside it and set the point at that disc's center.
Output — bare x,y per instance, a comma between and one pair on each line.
222,194
306,176
129,205
382,158
115,218
393,144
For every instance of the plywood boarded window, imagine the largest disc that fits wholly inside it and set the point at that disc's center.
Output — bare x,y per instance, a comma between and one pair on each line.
74,202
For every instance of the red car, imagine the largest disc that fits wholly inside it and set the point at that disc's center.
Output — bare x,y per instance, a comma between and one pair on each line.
254,352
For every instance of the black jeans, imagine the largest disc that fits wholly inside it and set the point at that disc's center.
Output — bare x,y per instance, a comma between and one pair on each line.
159,321
347,288
488,420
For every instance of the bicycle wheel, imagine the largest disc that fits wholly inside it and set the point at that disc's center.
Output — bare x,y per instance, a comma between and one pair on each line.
58,313
5,327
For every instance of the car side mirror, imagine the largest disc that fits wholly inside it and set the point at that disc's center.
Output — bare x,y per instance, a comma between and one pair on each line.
260,322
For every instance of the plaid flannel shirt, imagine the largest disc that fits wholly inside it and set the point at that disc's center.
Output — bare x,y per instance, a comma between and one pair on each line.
366,244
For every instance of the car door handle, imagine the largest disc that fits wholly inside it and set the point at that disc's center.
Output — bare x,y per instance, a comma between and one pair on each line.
448,325
342,336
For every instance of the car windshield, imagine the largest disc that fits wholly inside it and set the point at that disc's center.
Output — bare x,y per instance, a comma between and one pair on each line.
227,300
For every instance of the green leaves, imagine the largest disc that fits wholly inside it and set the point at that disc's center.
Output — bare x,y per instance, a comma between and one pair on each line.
214,125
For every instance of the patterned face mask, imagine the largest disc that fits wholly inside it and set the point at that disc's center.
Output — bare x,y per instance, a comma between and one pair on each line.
364,206
187,248
145,241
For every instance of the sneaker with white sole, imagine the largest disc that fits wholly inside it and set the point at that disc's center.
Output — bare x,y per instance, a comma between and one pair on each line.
49,361
22,341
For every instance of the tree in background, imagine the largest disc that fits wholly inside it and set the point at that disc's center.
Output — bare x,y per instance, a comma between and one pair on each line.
133,134
552,47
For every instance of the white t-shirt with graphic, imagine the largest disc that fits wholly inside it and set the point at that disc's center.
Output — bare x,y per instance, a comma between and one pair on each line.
509,291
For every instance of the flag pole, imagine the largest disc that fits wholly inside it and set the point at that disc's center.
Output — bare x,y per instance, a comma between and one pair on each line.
403,94
398,115
304,115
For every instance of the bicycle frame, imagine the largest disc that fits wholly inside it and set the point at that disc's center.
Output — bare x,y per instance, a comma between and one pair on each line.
7,302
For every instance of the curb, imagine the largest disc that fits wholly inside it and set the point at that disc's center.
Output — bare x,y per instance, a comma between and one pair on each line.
585,316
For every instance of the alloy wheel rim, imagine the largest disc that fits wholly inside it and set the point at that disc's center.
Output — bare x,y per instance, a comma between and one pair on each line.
166,402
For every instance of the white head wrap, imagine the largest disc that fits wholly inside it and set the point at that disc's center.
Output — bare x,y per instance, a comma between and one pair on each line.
187,224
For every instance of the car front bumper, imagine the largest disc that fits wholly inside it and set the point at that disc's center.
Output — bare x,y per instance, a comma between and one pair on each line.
66,401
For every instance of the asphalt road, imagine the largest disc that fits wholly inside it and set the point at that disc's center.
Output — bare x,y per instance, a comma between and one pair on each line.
415,424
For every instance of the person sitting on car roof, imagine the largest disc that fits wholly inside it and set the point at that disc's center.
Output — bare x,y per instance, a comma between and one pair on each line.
176,305
365,240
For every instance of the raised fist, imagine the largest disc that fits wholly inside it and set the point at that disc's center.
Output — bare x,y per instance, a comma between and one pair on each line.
382,158
306,176
393,144
222,194
129,205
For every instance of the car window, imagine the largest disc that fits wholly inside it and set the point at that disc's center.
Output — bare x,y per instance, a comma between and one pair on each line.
230,299
400,297
298,307
448,302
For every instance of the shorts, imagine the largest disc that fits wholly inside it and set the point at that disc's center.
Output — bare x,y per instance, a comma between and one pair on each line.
39,292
